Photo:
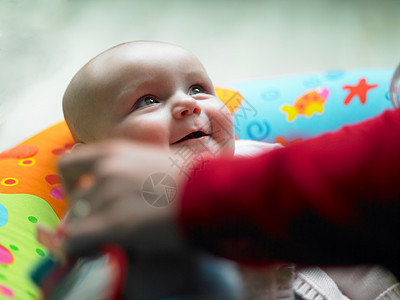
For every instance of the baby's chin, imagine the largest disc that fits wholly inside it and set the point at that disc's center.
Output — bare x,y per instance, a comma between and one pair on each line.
201,148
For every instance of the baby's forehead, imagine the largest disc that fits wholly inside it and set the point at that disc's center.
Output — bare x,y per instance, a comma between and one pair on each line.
145,49
146,53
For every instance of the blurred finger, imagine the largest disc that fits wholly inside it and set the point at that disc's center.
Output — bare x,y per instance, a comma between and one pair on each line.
72,167
82,201
104,193
80,209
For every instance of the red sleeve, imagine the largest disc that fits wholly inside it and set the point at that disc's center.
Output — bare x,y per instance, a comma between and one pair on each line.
328,200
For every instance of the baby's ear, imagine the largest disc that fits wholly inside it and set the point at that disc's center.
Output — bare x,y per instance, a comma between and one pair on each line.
78,146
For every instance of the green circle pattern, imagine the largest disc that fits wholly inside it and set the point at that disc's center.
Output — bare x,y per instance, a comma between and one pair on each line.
13,247
32,219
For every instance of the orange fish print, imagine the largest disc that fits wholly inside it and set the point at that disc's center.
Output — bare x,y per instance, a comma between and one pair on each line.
231,98
308,104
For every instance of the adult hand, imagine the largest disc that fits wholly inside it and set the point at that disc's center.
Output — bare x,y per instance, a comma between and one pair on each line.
104,183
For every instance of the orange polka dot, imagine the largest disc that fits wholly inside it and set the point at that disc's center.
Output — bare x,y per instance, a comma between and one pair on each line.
27,162
9,181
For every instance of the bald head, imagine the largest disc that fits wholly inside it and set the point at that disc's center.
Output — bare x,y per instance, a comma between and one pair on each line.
89,98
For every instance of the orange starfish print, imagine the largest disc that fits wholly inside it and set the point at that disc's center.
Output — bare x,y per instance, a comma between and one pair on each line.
281,140
360,90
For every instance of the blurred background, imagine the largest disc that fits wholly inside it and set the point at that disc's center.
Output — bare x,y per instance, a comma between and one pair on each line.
43,43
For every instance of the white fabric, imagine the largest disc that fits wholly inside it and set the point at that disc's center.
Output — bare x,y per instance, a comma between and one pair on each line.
392,293
315,284
346,283
250,148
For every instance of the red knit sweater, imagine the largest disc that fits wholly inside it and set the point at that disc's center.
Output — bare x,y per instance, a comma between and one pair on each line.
334,199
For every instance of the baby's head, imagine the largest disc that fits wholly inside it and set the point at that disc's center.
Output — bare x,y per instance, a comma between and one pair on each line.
148,92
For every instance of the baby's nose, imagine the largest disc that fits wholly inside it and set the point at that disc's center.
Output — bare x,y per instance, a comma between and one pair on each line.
185,106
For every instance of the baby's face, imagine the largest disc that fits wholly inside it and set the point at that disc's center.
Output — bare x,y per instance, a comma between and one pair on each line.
156,93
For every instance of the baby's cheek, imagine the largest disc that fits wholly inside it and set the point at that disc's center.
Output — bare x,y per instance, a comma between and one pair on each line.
224,120
144,131
217,110
226,139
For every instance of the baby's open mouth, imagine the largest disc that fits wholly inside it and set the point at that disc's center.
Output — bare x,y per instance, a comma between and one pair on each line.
193,135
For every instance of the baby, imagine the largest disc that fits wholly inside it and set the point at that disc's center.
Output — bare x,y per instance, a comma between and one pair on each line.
148,92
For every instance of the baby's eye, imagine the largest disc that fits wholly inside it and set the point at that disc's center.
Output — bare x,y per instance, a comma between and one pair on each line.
195,90
146,101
